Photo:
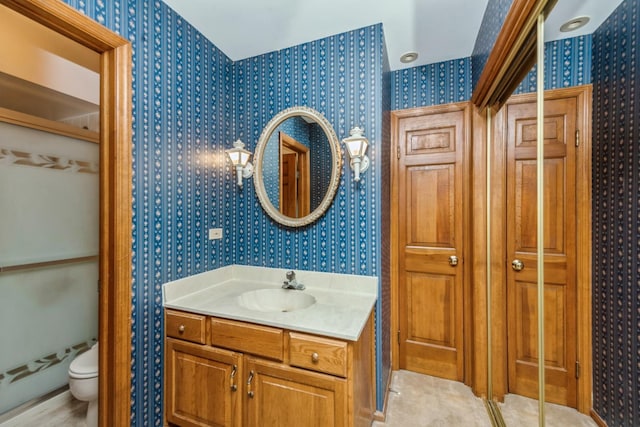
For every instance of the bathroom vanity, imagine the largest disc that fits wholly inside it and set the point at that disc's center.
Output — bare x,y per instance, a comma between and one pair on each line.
242,351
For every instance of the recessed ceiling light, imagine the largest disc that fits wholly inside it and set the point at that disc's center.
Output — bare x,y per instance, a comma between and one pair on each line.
409,57
574,24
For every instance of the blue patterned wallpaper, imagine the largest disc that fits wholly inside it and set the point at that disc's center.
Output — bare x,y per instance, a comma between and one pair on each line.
492,22
341,77
432,84
616,218
189,103
182,122
567,63
337,76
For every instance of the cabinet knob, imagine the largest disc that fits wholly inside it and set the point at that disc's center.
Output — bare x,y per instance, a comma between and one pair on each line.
315,357
181,329
250,394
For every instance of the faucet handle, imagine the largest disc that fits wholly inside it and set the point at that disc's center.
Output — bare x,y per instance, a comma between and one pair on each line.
291,275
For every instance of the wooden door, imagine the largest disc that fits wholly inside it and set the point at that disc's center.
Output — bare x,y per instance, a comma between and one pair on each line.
289,188
295,190
278,396
430,216
203,385
560,250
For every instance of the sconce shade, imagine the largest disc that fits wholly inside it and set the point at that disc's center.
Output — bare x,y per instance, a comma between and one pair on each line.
357,147
239,158
356,144
238,155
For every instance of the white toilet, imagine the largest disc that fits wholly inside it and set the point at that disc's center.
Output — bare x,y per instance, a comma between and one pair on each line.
83,382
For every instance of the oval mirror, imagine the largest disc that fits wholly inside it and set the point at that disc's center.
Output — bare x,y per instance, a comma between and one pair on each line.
297,166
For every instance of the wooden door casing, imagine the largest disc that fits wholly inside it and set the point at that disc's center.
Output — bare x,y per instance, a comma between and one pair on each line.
560,250
430,230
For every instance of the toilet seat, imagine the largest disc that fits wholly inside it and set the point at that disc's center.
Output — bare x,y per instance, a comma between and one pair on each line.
85,365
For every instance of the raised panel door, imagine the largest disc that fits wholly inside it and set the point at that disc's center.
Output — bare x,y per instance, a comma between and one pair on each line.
277,395
559,247
430,225
203,385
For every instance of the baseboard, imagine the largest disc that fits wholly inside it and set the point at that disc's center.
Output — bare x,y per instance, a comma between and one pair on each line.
16,416
382,415
597,418
379,416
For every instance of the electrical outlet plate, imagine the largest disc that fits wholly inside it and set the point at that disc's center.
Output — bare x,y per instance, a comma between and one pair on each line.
215,233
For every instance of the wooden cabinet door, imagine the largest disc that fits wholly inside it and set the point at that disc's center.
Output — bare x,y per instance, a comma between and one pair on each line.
430,171
278,395
203,385
560,250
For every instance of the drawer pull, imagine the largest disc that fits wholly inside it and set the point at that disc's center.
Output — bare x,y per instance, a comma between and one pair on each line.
181,329
250,392
234,387
315,357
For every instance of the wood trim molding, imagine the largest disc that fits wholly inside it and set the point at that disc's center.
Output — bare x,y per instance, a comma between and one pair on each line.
597,418
584,247
115,197
513,54
477,375
394,273
38,123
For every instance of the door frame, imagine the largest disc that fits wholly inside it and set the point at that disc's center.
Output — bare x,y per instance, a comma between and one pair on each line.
115,197
303,181
396,116
498,251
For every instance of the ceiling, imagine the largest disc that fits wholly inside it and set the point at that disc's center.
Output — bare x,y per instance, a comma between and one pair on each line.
439,30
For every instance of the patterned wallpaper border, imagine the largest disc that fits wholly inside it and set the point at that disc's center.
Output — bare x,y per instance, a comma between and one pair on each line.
43,363
23,158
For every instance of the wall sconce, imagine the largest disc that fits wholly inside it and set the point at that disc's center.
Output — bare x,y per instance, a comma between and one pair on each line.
357,147
240,161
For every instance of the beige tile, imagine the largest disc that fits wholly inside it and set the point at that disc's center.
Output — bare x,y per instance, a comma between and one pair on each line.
520,411
421,400
61,410
417,400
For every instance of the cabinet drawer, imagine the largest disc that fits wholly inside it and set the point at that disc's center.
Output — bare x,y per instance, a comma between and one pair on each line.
186,326
248,338
319,354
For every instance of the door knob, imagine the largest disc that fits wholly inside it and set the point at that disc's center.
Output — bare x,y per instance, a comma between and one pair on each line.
517,265
453,260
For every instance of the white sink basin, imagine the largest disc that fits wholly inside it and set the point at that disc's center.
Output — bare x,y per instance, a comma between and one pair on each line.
273,300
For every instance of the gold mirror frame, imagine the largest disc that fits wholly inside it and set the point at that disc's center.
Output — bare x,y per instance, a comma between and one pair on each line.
336,168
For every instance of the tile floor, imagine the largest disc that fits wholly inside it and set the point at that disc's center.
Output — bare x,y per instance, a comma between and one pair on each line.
417,400
61,410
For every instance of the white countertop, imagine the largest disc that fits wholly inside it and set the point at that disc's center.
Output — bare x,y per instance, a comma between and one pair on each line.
342,308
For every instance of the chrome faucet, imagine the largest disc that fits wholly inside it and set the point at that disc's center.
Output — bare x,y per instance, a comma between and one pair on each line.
291,282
